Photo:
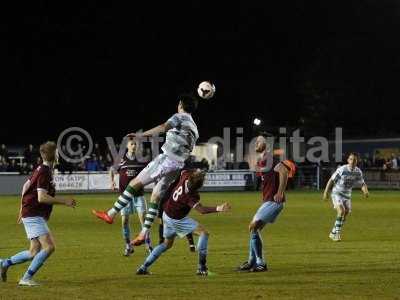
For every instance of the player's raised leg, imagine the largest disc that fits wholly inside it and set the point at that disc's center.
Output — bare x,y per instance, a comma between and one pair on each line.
132,190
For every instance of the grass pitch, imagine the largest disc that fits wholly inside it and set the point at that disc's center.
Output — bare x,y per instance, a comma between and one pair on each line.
303,262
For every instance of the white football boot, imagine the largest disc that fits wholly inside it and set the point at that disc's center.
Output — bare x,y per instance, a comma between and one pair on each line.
28,282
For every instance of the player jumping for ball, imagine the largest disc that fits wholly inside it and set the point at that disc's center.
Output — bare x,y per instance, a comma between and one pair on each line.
343,181
182,197
38,198
275,175
127,169
181,136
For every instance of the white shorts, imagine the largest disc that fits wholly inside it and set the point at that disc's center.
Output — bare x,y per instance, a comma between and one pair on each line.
180,227
338,200
35,227
137,205
163,170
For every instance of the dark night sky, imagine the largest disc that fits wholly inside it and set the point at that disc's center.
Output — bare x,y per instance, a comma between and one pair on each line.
308,64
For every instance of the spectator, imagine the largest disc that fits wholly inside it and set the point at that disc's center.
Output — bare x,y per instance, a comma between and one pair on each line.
24,170
221,163
3,164
81,165
4,151
92,164
97,150
244,165
146,153
387,164
394,162
30,154
102,163
64,166
229,165
368,161
13,166
109,160
213,166
204,164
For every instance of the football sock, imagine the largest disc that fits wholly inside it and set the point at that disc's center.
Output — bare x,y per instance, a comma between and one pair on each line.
337,228
148,240
126,233
152,257
257,247
36,263
150,216
161,233
202,246
190,239
252,253
123,200
18,258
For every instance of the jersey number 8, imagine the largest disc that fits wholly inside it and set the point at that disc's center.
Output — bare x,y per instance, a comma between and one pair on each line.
178,192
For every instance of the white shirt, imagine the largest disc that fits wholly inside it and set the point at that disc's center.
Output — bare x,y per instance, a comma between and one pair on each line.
344,179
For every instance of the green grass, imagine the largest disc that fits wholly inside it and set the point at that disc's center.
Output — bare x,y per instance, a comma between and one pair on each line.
303,262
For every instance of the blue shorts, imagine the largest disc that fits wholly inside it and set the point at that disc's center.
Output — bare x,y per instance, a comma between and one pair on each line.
268,212
35,227
138,205
180,227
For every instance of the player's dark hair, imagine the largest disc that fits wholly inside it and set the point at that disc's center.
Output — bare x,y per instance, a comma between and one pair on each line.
189,103
265,134
196,180
355,154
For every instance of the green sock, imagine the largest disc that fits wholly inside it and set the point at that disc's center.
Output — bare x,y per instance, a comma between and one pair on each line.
150,215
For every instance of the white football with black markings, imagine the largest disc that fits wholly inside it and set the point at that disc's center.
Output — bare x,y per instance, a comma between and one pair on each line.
206,90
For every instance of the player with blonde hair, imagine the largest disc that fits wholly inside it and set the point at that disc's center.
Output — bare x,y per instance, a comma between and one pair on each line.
38,198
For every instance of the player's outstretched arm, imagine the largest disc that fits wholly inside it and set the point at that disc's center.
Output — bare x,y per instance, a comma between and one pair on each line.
45,198
212,209
327,189
151,132
364,189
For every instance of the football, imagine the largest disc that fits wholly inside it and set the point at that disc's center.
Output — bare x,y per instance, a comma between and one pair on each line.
206,90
